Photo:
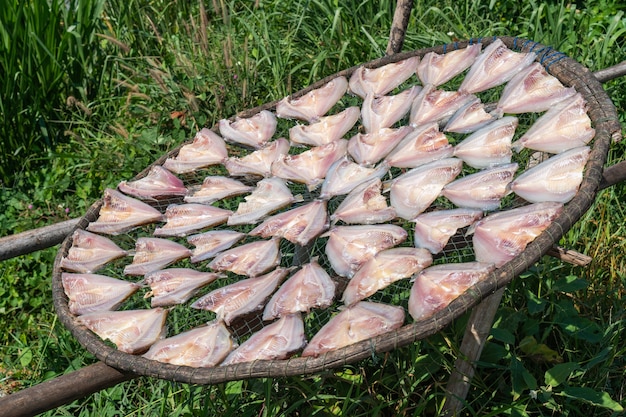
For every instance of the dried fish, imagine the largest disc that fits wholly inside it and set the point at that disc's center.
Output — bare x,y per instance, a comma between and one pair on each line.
251,259
132,331
158,183
241,297
555,179
382,80
191,217
490,145
482,190
90,252
361,321
175,285
436,69
120,213
421,146
299,225
415,190
201,347
254,131
215,188
370,148
152,254
349,247
435,228
258,162
310,287
433,105
469,118
345,175
327,129
382,270
382,112
364,205
278,340
271,194
314,104
209,244
435,287
207,149
88,293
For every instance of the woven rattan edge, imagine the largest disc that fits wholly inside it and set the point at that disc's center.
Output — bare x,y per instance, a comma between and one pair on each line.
605,121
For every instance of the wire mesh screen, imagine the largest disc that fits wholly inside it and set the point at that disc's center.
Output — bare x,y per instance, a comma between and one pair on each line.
459,247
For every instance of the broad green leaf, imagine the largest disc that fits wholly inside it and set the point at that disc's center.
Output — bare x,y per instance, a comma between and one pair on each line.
26,357
539,351
570,283
599,398
521,379
558,374
503,335
535,304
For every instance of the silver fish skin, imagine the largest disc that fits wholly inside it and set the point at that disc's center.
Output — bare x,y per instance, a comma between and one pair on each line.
555,179
532,90
496,65
382,270
153,253
564,126
415,190
270,194
483,190
254,131
174,286
349,247
422,145
345,175
278,340
209,244
241,297
217,187
469,118
310,167
299,225
313,105
183,219
437,286
361,321
258,162
251,259
158,183
382,80
434,105
88,293
207,148
327,129
384,111
500,237
201,347
370,148
435,228
490,145
90,252
310,287
437,69
364,205
132,331
120,213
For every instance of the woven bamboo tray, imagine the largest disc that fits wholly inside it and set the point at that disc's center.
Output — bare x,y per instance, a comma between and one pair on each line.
569,72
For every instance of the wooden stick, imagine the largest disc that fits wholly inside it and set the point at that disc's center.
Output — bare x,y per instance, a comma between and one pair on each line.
61,390
611,73
36,239
398,26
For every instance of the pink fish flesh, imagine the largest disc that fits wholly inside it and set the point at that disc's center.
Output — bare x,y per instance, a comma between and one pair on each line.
314,104
132,331
275,341
120,213
175,285
299,225
433,105
435,287
488,146
327,129
241,297
436,69
382,80
209,244
90,252
370,148
271,194
201,347
361,321
349,247
207,149
254,131
435,228
88,293
364,205
421,146
251,259
191,217
469,118
258,162
310,287
501,236
345,175
215,188
153,253
158,183
382,270
382,112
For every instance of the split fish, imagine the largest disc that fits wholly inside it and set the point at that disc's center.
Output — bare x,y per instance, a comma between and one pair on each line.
254,131
158,183
314,104
207,149
175,285
251,259
88,293
152,253
90,252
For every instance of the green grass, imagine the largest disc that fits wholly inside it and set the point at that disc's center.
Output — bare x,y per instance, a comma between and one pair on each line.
146,75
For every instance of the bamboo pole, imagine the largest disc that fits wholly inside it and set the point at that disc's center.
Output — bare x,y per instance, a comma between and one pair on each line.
36,239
